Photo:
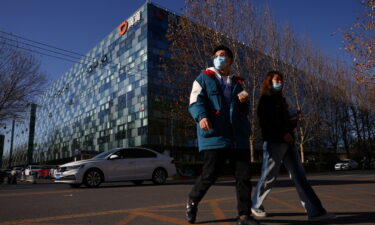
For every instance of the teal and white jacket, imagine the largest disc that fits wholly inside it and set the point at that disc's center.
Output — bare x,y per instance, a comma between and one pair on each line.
230,125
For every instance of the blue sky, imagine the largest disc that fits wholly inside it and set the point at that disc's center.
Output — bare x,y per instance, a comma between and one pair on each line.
78,25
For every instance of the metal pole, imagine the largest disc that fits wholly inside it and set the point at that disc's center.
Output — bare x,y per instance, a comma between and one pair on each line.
30,149
11,145
2,143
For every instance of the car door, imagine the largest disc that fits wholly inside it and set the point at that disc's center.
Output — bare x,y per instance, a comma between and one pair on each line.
146,162
122,168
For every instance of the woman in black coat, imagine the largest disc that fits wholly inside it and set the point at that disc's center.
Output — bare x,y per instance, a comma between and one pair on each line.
277,131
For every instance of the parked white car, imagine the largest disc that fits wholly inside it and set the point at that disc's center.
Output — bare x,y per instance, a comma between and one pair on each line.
32,170
346,164
126,164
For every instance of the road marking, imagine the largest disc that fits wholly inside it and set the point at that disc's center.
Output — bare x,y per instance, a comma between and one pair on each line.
127,219
218,213
346,200
162,218
282,191
72,216
57,218
284,203
356,191
183,210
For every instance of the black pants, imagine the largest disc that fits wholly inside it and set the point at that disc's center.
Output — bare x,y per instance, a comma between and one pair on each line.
214,160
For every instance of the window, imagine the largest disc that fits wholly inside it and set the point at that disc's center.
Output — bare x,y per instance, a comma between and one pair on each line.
121,154
121,102
142,131
139,153
90,69
104,58
121,133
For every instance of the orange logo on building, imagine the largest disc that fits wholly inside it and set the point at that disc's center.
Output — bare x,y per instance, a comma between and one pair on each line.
123,28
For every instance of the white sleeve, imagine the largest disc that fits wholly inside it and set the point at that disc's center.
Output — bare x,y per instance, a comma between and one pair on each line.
197,89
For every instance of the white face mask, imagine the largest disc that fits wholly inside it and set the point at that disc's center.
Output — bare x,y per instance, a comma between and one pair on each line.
220,62
277,86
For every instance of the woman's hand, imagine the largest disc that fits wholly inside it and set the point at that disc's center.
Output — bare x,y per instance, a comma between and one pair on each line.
205,124
243,96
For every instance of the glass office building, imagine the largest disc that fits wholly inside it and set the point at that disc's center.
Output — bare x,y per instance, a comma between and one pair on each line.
112,96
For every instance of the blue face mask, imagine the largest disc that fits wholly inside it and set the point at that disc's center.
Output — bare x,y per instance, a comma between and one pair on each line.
277,86
220,62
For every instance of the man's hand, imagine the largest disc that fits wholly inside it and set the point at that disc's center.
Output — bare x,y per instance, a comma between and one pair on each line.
288,137
205,124
243,96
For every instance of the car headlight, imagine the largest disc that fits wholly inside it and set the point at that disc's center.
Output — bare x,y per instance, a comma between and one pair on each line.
75,167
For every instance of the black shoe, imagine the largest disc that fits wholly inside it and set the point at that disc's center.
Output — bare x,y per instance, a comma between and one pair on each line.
191,211
246,220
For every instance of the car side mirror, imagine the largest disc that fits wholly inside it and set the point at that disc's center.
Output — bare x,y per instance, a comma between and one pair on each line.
112,157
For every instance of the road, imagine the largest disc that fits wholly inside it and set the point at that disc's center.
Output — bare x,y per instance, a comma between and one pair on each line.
351,195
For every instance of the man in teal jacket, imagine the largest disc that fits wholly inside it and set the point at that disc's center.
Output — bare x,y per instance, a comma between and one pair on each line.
220,106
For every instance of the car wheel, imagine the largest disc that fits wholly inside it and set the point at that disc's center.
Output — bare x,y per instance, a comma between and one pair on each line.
75,185
93,178
137,182
159,176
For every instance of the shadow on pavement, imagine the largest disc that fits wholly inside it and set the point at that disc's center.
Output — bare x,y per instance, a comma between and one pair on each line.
342,218
217,221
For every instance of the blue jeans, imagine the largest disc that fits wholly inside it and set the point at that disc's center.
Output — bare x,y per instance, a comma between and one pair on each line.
273,155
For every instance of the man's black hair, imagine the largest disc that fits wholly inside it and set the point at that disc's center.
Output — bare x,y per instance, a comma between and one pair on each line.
226,49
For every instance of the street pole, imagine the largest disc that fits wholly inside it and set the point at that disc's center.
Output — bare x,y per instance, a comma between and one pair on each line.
30,148
11,145
2,142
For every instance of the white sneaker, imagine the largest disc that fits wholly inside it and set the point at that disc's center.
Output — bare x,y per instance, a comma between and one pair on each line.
326,216
261,212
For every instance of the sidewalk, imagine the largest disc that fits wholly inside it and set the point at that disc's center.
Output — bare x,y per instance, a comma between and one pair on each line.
29,181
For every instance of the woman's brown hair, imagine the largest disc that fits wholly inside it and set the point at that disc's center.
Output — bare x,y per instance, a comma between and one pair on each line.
267,81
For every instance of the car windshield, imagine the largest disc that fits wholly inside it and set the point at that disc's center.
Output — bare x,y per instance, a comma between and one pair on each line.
104,154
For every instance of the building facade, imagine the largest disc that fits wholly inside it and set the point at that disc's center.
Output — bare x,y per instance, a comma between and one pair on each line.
117,95
111,97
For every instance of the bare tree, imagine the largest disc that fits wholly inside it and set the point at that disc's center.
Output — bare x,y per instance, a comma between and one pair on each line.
194,35
359,42
320,86
20,81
